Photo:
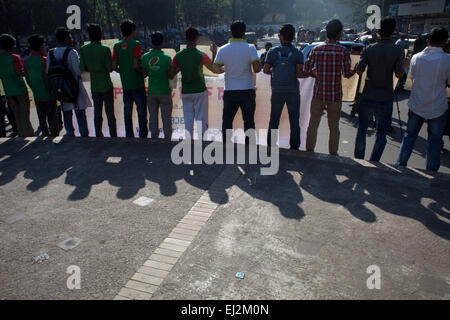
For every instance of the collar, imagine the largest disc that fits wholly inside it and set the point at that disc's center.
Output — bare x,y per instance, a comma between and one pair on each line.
434,49
36,54
237,40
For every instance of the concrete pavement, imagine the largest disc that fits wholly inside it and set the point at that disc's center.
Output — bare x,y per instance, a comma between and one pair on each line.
309,232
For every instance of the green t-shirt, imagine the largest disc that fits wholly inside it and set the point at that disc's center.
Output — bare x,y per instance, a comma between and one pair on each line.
13,83
125,52
190,61
36,69
157,64
96,59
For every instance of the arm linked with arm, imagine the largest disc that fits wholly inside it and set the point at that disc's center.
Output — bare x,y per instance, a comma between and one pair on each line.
347,66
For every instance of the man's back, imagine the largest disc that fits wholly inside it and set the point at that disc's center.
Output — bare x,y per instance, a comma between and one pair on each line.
284,60
72,60
237,57
96,59
13,83
383,59
35,68
125,52
190,61
331,60
430,70
157,64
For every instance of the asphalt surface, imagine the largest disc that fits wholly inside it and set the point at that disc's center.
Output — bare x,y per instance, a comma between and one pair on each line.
309,232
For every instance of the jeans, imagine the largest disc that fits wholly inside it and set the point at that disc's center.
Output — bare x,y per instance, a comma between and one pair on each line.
155,103
139,97
232,101
292,101
383,114
81,120
46,111
435,131
108,98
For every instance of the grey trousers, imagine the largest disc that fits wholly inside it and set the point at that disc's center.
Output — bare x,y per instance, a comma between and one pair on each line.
163,102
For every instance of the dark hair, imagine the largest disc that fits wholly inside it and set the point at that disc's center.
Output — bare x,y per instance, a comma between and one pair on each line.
268,44
95,32
157,38
61,34
36,41
192,34
388,25
7,41
238,29
447,46
357,48
288,32
334,29
438,35
127,27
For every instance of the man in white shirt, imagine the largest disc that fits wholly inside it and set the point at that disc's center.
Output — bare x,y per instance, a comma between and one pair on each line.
238,58
430,73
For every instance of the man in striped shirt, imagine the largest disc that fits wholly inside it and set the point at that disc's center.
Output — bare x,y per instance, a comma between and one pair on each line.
326,63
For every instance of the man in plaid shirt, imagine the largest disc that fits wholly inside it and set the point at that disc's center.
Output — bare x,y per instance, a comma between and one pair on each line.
326,63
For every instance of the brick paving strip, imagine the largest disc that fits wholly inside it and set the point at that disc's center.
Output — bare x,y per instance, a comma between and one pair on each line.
149,277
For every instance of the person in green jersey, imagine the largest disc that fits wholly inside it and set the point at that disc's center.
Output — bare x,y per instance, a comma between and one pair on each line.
11,75
156,66
96,59
36,76
126,60
190,62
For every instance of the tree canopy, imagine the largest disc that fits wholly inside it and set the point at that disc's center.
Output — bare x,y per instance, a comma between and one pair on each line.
43,16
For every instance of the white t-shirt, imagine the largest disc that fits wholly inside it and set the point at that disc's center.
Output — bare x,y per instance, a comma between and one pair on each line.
237,57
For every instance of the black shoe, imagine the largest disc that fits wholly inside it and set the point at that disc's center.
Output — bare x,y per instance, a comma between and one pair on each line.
390,130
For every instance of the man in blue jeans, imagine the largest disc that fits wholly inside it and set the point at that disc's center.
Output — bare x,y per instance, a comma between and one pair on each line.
127,61
383,59
285,64
430,73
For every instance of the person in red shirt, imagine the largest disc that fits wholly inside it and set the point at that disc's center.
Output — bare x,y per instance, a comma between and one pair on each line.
327,63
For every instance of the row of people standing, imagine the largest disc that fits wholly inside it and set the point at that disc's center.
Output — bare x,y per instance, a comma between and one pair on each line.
238,60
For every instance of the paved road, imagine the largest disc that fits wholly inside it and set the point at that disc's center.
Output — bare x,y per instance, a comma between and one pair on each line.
309,232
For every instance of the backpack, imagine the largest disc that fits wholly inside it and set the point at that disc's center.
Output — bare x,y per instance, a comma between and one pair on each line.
284,71
62,81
